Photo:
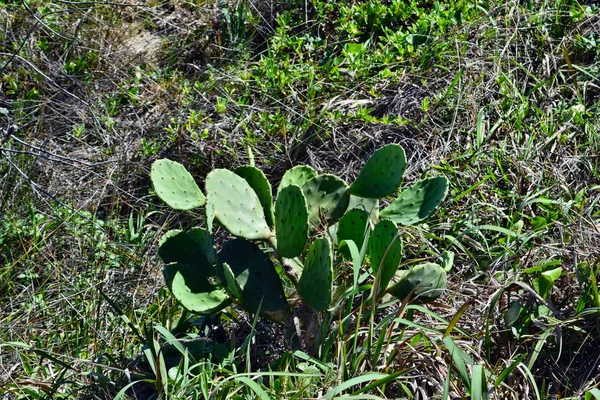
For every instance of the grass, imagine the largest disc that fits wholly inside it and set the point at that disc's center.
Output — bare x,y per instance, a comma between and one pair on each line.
500,97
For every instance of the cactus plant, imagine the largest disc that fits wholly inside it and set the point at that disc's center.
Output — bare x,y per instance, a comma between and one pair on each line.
175,186
258,181
382,174
417,202
316,283
327,197
236,205
294,233
424,282
385,251
291,222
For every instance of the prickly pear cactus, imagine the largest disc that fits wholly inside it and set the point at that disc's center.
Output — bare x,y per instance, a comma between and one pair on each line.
291,222
417,202
192,290
382,174
298,176
258,181
242,202
426,282
384,236
188,247
256,276
235,204
175,186
316,283
327,197
352,226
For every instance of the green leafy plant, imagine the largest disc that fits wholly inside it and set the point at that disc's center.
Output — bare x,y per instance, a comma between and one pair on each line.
521,316
303,240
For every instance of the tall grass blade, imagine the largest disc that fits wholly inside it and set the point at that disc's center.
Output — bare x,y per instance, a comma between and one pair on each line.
254,386
459,358
352,382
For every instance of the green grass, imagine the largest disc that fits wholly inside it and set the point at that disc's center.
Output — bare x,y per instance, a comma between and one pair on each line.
500,97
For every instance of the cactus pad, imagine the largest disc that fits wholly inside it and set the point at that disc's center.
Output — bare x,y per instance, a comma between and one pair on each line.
298,176
193,291
291,222
175,186
426,282
370,206
256,276
417,202
316,283
381,238
258,181
327,196
210,215
192,247
352,226
236,205
382,174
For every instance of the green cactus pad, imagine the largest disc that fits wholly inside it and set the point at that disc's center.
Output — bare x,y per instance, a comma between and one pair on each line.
210,215
258,181
175,186
192,290
427,282
230,283
291,222
382,174
382,236
236,205
316,282
298,176
370,206
193,247
417,202
327,196
256,276
352,226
